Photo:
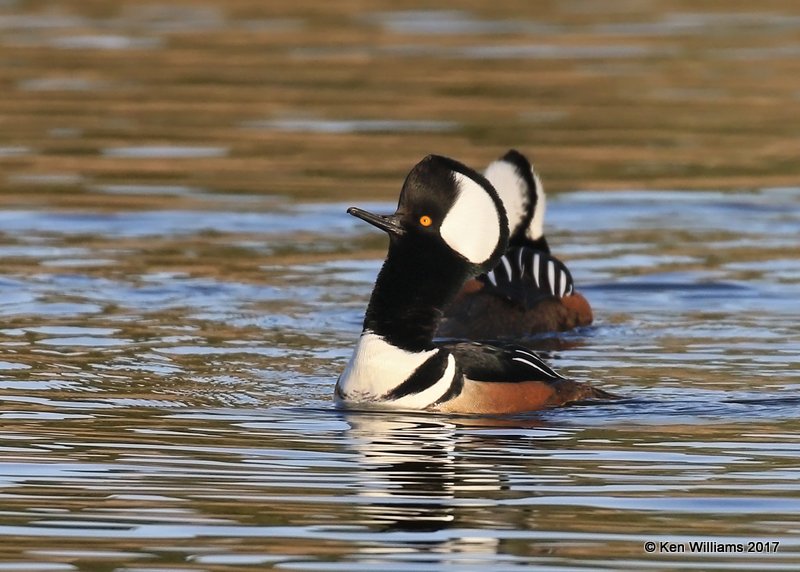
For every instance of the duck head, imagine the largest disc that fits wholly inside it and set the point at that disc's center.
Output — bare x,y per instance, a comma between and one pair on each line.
447,215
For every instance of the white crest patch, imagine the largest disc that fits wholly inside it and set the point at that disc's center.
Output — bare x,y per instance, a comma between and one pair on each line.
472,226
536,229
511,188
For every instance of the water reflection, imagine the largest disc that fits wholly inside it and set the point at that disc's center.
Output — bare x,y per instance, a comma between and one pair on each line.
165,152
304,125
408,470
451,22
433,484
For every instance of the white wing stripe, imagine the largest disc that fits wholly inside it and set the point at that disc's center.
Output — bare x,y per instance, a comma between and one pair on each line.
507,266
533,365
542,366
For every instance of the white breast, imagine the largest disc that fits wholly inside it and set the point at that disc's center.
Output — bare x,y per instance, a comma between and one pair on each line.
377,367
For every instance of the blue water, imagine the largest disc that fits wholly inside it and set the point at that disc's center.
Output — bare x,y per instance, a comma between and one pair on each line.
182,417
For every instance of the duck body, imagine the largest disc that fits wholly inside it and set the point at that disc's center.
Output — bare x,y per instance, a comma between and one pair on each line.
449,226
530,291
462,377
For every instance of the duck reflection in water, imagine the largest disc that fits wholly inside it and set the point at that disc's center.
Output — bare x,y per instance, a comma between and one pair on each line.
409,469
421,474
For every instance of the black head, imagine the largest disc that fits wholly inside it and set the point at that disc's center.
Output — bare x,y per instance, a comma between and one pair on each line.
447,213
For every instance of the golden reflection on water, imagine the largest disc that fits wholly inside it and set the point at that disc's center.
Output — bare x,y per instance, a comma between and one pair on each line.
175,307
314,100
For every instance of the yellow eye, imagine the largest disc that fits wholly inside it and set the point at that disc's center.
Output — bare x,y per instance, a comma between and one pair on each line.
425,220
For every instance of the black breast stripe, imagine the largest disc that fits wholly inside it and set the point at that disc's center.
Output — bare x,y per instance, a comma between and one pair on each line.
338,390
424,376
455,389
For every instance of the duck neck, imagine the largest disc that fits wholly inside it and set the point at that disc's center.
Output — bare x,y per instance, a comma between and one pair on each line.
409,297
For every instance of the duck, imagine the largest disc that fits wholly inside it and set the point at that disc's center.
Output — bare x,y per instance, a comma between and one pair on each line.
450,226
529,291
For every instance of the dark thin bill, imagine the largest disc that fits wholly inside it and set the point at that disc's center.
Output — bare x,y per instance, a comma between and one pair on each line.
390,223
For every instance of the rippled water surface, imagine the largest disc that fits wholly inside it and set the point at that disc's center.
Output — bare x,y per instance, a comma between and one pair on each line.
180,285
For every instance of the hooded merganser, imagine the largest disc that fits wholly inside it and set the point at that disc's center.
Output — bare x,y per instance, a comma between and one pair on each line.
530,291
450,225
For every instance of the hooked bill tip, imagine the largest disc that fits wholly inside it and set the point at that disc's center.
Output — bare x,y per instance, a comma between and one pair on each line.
389,224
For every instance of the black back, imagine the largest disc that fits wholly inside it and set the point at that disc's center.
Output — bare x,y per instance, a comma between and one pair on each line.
501,363
525,276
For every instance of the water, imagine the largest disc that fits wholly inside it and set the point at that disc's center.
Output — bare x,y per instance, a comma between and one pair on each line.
181,286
